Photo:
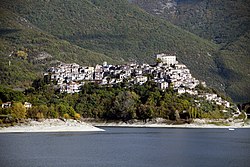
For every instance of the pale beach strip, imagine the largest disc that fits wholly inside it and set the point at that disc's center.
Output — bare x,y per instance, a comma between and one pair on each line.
56,125
51,125
198,123
168,126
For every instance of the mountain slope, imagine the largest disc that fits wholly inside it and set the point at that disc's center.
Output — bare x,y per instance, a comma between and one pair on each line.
220,21
99,25
224,22
20,36
119,30
233,60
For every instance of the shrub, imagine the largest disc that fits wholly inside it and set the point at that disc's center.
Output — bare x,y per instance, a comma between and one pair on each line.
66,116
77,116
39,115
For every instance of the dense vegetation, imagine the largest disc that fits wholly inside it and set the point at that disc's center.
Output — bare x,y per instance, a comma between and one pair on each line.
220,21
117,31
20,36
223,22
233,61
111,27
143,102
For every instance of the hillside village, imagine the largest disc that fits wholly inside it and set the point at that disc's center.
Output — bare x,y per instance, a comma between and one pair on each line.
167,72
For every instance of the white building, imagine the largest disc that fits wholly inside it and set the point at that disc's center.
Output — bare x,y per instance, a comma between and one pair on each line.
141,79
162,85
167,58
180,66
98,72
27,105
181,90
6,105
70,88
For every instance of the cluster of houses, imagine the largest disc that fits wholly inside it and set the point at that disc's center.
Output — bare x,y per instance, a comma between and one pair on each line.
167,72
215,98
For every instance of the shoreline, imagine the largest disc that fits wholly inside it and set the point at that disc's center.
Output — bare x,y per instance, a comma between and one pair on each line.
57,125
197,123
185,126
51,125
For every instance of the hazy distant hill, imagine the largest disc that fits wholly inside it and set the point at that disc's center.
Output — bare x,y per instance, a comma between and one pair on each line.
117,29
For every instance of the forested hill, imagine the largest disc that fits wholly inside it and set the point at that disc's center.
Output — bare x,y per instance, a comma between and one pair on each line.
221,21
26,51
224,22
118,30
233,60
115,28
111,29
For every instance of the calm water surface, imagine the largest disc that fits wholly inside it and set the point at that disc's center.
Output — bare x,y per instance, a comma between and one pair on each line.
128,147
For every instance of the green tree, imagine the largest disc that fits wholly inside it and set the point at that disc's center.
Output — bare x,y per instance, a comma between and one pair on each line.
52,112
38,84
32,112
71,111
7,94
192,112
125,105
145,112
61,109
44,110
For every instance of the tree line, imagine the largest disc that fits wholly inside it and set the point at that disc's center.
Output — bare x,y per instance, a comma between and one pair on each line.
119,102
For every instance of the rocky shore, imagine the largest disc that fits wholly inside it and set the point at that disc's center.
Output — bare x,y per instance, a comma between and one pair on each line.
57,125
196,123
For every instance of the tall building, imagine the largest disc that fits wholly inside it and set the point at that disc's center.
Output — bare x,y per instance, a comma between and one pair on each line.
169,59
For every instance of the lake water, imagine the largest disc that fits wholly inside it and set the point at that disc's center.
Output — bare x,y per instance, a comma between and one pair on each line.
128,147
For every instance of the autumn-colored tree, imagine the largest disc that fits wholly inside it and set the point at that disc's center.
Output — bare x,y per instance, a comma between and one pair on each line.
77,116
18,111
66,116
22,54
